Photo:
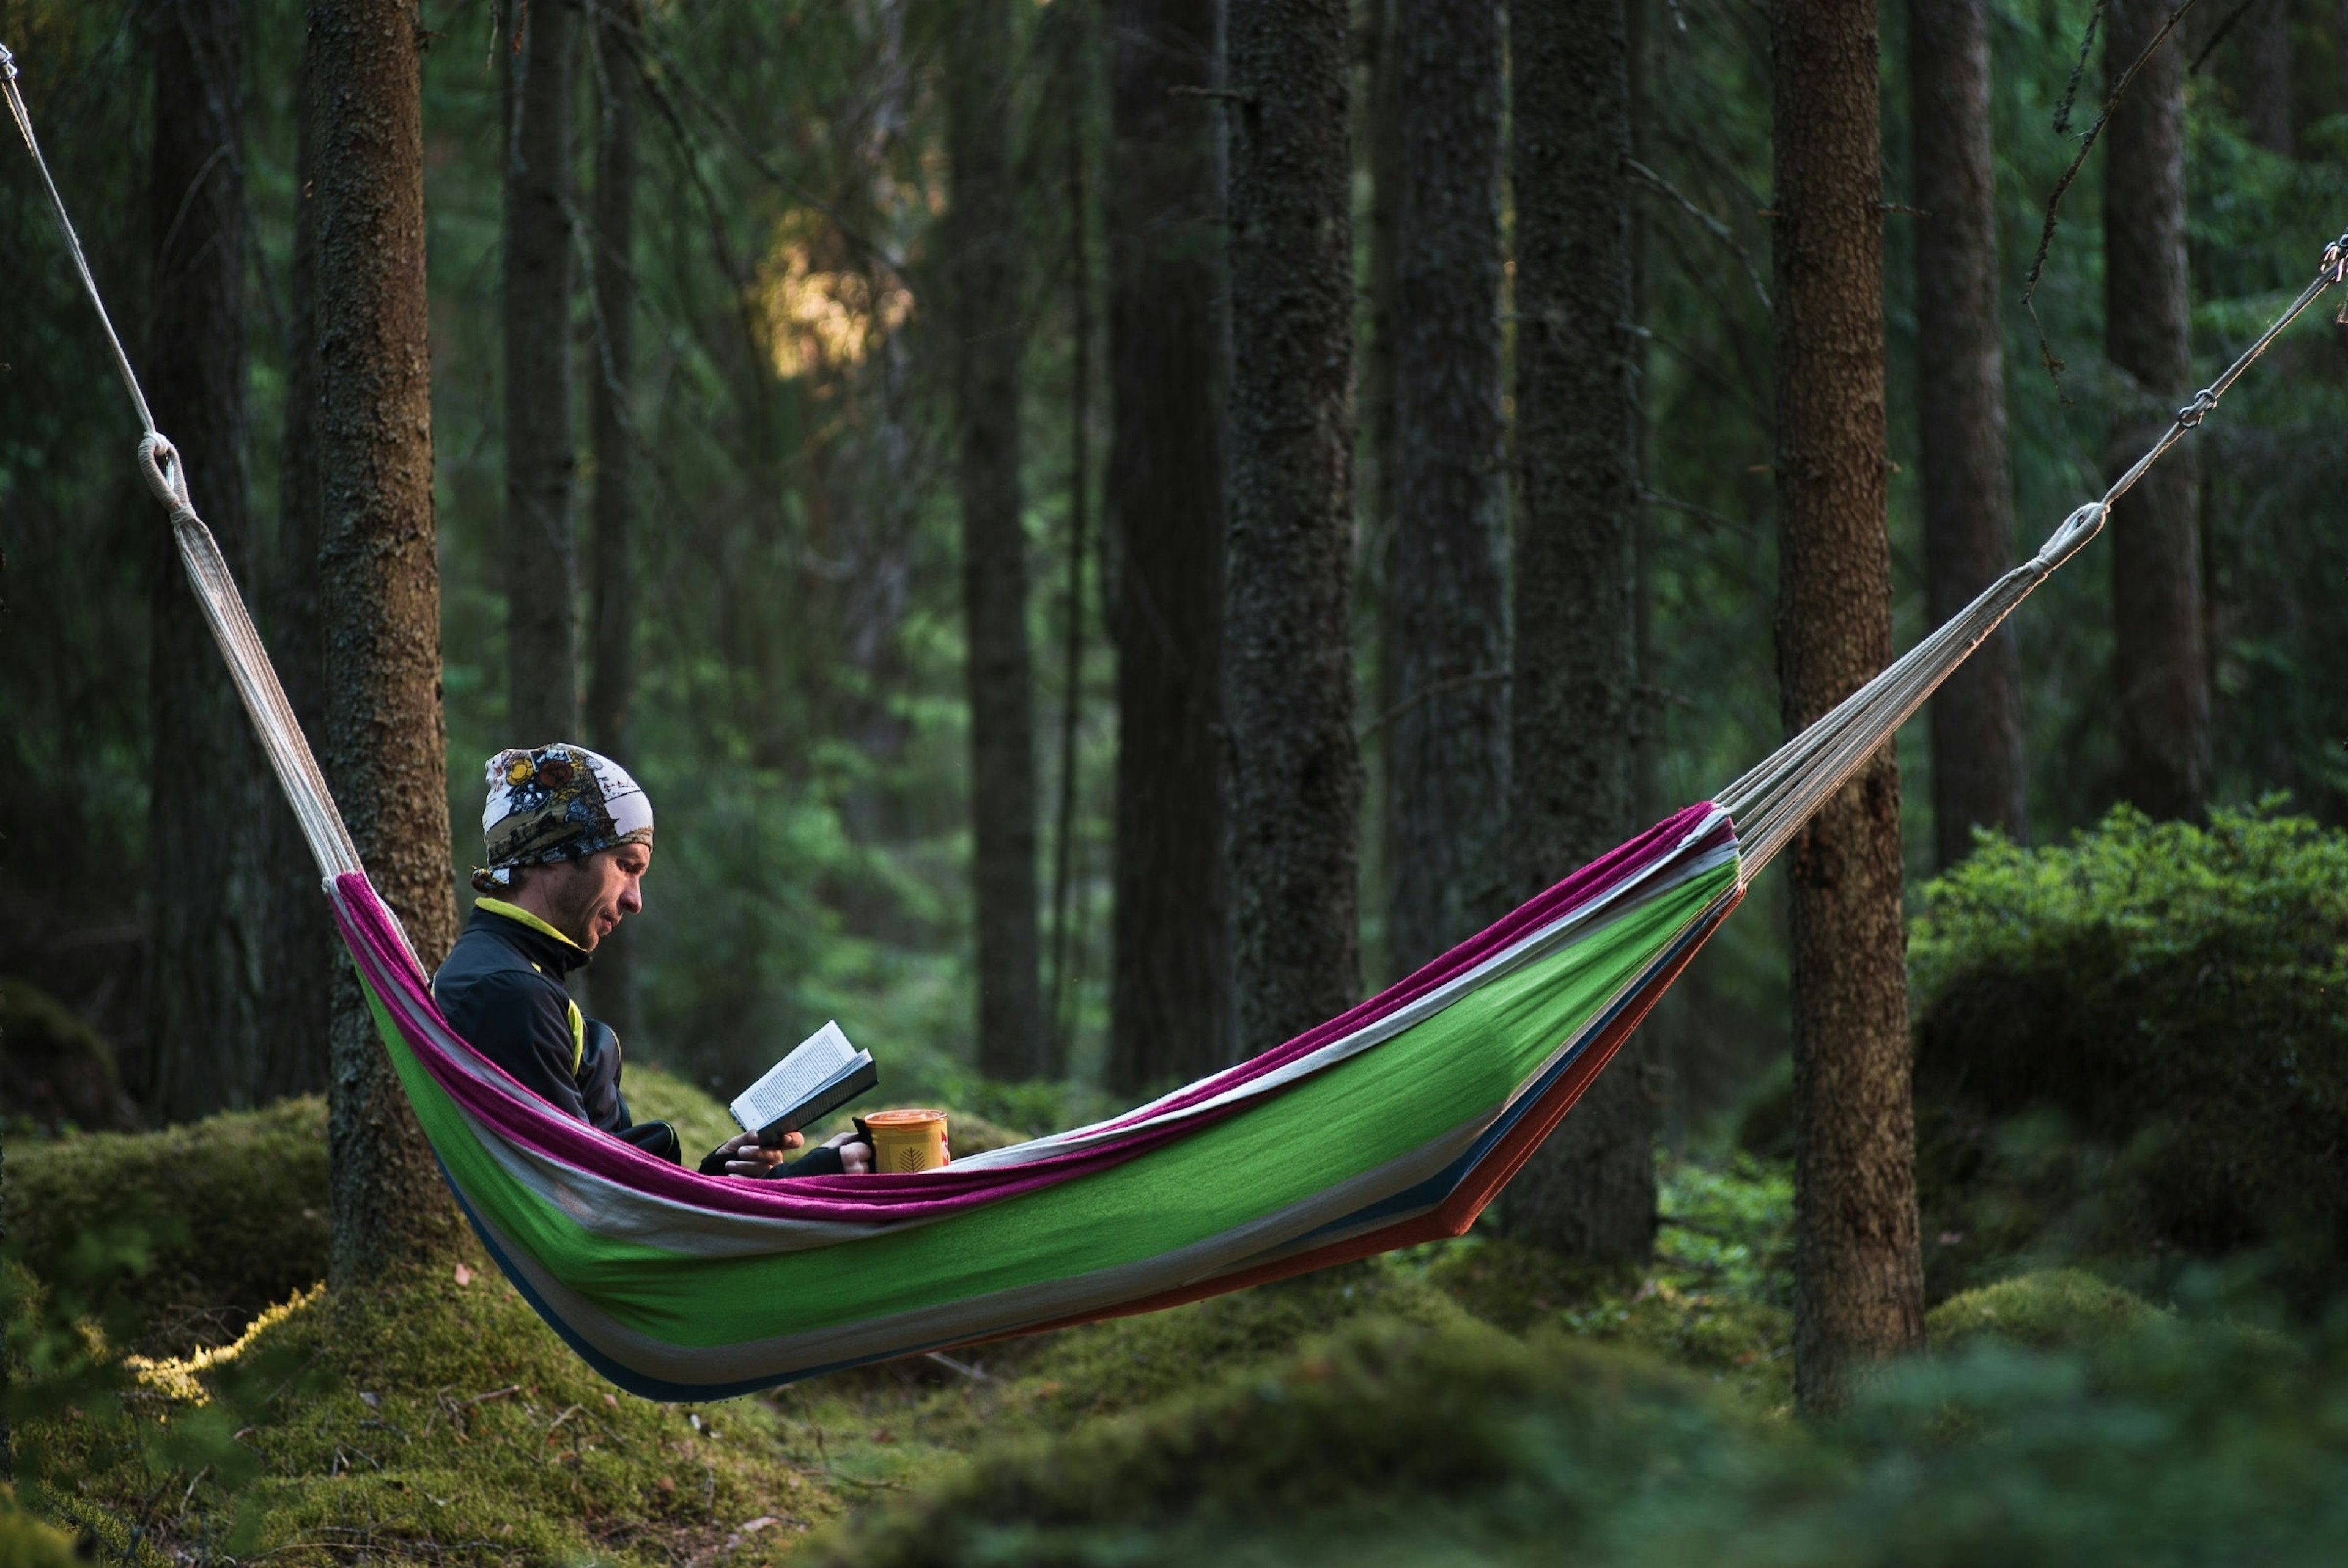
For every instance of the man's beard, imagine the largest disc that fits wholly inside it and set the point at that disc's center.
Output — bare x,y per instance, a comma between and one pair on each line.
571,905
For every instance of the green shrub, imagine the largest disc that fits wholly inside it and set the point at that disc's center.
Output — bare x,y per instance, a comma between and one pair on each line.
2138,1044
234,1209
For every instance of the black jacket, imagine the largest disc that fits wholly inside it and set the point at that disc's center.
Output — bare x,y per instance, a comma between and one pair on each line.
502,990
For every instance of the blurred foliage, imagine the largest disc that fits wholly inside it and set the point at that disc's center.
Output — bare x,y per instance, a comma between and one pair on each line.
2136,1047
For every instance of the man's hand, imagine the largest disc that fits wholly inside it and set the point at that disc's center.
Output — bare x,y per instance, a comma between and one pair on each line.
855,1153
745,1157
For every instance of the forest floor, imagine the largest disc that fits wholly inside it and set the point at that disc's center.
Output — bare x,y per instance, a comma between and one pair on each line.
436,1416
1470,1400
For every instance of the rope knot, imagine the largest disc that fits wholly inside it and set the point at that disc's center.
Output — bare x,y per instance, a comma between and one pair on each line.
167,476
2333,269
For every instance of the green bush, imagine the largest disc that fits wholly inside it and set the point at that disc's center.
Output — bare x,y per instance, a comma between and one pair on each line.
2138,1044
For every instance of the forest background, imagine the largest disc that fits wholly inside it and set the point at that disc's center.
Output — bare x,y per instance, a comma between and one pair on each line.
798,703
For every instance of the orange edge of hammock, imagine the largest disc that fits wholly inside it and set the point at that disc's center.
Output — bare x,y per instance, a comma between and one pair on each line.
1455,1213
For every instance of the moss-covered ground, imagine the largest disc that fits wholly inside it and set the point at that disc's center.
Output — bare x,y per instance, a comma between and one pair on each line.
1470,1401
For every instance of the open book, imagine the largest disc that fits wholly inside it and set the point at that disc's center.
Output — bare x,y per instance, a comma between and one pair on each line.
824,1073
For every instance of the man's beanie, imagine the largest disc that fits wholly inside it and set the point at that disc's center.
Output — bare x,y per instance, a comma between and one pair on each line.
557,803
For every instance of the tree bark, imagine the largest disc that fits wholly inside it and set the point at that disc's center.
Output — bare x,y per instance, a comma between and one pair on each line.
2159,663
1589,1191
1066,955
386,744
1444,642
207,984
2266,62
612,683
541,553
1170,985
1976,717
983,249
1296,786
305,955
1859,1278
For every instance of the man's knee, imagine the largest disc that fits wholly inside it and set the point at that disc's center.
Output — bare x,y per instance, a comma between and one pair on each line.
657,1139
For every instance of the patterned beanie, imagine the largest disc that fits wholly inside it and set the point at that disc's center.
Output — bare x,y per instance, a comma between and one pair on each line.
557,803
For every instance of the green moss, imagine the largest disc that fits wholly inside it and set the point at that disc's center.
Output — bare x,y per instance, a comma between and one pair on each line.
233,1208
2136,1045
1386,1441
2062,1308
433,1415
1727,1335
28,1543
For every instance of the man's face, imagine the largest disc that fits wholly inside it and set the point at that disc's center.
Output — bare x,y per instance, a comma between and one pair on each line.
586,898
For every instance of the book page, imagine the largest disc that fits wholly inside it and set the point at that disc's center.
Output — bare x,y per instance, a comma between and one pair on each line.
819,1059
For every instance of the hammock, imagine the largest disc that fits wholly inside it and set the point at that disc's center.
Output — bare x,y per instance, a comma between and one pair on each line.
1393,1123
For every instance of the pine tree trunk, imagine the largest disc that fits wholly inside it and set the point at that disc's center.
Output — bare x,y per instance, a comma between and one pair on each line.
612,683
206,836
2266,61
983,253
1296,784
1444,642
1589,1191
2158,658
1859,1278
385,750
1171,984
1977,775
541,553
305,955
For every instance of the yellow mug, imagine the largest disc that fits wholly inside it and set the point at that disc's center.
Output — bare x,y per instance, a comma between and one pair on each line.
906,1141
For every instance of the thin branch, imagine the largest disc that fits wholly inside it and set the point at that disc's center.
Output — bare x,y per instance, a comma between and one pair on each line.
1713,226
2218,36
2055,201
649,50
2078,70
1703,514
1427,694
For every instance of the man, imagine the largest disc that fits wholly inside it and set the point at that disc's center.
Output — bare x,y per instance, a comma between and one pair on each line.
570,838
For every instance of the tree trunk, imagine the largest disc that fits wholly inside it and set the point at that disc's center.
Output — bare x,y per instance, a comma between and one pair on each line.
305,955
1296,787
1446,642
1977,775
1066,955
1858,1276
612,683
541,554
2159,665
385,745
2266,62
1589,1191
983,253
1169,985
206,836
